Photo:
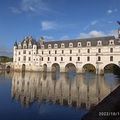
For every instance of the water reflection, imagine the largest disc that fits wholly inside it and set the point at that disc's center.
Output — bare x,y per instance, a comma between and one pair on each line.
80,90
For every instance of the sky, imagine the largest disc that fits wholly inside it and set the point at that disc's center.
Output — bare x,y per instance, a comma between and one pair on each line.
56,20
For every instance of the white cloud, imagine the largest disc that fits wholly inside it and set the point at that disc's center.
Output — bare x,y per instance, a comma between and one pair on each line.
94,22
93,33
109,11
48,25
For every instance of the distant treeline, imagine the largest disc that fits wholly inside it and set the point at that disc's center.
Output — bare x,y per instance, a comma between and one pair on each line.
4,59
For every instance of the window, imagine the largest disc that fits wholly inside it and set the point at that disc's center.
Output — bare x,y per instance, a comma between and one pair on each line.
24,52
42,58
111,50
78,50
99,43
78,58
24,58
62,45
48,59
49,52
99,50
111,42
61,58
19,53
79,44
42,46
62,51
55,51
88,58
55,58
111,58
29,58
29,52
70,44
70,51
70,58
25,46
55,45
99,58
42,52
19,59
88,50
88,43
49,46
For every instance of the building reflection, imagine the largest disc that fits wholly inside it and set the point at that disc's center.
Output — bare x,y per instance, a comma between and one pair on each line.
79,90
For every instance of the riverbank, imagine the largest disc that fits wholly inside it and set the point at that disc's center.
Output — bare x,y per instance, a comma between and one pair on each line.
107,109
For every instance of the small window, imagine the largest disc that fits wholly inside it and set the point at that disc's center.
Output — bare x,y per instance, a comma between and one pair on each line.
55,58
78,50
24,58
62,45
19,59
49,46
48,59
49,52
42,52
99,58
111,50
111,58
29,59
88,50
99,43
62,51
61,58
70,51
55,51
29,52
111,42
70,44
19,53
42,46
88,58
55,45
42,58
24,52
99,50
78,58
88,43
70,58
79,44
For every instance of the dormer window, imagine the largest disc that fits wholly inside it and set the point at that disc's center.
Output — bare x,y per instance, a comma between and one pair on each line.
70,44
99,43
24,46
88,43
111,42
62,45
55,45
19,46
79,44
49,46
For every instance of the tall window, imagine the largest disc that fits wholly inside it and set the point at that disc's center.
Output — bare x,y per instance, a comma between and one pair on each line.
48,59
55,58
99,58
24,52
61,58
19,53
111,50
42,58
29,59
88,50
55,51
62,51
78,58
70,51
111,58
29,52
49,52
88,58
78,50
19,59
70,58
99,50
42,52
24,58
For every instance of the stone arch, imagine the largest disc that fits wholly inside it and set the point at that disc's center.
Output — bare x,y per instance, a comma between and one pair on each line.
89,68
55,67
23,68
8,68
111,68
70,67
45,68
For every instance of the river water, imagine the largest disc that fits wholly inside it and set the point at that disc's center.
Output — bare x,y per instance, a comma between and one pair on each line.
52,96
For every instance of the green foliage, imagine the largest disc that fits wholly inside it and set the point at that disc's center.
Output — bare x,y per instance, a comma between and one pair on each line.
4,59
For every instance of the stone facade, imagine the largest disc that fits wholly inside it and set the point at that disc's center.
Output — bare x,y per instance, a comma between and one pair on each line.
36,55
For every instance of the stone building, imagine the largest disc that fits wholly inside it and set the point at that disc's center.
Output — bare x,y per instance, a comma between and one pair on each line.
32,55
